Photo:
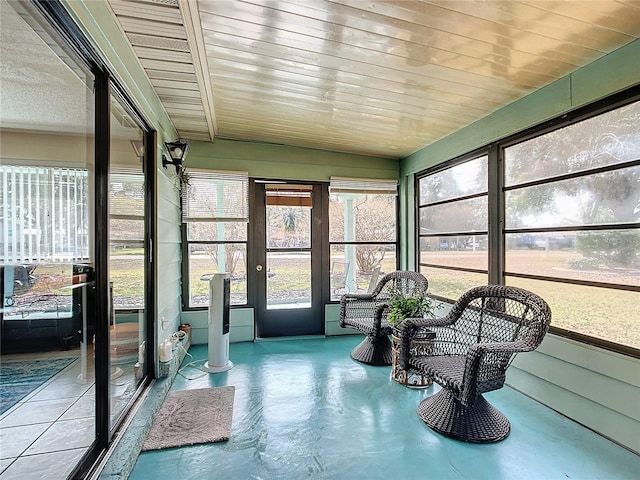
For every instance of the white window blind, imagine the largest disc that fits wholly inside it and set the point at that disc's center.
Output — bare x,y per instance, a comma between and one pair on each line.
126,194
363,186
216,197
44,214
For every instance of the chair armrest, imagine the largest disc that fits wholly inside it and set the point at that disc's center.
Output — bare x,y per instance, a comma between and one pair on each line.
356,296
356,305
430,322
377,318
487,372
498,347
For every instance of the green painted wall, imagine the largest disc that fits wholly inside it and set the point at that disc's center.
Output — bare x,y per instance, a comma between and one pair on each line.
263,160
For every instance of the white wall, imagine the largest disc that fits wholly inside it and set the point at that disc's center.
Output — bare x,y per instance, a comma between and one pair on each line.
169,260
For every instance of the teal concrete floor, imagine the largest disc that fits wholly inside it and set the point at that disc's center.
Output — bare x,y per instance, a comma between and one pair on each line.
304,409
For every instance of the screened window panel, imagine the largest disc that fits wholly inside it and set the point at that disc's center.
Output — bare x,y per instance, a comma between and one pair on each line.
468,178
217,231
362,218
604,256
362,210
610,197
607,139
459,216
462,251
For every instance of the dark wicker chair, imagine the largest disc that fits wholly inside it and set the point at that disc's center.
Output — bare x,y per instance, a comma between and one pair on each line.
473,346
367,313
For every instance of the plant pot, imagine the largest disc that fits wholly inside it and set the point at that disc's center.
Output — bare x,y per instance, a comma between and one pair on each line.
421,345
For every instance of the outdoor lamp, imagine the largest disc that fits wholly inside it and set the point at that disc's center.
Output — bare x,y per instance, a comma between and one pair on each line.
178,150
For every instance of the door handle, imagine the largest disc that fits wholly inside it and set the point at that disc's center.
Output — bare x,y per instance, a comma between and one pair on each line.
258,268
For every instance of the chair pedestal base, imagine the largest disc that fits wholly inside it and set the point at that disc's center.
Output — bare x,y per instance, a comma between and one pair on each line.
478,423
370,352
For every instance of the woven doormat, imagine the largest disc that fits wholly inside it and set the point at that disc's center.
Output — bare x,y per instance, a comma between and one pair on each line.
192,417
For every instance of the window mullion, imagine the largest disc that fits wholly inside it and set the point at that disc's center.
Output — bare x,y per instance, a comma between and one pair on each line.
496,216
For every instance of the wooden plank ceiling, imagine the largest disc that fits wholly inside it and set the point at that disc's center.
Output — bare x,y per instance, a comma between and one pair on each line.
382,78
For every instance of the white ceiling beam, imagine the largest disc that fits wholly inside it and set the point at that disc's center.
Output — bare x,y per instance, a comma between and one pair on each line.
193,26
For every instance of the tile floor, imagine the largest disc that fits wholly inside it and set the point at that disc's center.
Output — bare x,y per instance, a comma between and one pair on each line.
304,410
46,433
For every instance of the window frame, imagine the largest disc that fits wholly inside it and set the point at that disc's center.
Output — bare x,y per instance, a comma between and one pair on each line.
357,243
467,157
186,246
496,211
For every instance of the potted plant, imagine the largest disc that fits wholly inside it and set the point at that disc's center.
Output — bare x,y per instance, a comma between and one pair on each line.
403,306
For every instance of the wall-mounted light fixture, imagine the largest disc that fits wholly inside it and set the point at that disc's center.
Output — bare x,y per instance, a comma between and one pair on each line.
178,150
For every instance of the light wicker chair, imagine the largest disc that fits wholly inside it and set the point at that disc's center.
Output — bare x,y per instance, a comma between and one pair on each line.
367,313
473,346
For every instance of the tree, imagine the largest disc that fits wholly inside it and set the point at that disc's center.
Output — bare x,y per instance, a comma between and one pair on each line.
374,218
610,197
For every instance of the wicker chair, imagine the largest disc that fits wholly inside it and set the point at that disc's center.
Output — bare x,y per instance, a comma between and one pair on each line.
473,346
367,312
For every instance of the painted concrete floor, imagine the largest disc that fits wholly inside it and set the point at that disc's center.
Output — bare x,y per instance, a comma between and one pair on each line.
304,409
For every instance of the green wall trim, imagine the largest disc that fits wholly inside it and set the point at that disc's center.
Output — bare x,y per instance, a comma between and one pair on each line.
265,160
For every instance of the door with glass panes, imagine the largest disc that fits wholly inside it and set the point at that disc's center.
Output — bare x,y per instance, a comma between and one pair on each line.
285,262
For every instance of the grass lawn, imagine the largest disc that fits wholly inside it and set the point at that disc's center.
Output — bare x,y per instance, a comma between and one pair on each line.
599,312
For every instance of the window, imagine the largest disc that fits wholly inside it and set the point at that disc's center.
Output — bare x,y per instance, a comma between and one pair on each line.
44,214
570,200
453,227
362,233
126,237
215,212
45,223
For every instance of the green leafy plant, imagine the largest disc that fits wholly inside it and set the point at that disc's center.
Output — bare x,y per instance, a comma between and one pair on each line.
403,306
183,178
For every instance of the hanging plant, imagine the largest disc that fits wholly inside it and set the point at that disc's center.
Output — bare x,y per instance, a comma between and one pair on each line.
183,179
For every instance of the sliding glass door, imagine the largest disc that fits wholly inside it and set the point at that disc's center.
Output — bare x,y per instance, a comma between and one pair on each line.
127,255
75,224
47,254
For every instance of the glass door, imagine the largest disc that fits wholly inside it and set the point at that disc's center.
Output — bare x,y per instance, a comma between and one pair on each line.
286,264
127,259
